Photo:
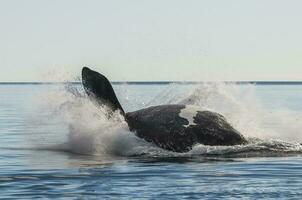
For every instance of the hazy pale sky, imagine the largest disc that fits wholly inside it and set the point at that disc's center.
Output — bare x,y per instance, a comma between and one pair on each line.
49,40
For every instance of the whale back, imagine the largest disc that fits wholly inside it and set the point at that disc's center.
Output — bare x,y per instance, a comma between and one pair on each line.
171,127
99,88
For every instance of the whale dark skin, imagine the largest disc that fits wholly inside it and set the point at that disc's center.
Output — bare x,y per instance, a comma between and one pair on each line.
164,125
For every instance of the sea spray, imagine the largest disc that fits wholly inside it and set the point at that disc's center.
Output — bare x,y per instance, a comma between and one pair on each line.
84,128
241,106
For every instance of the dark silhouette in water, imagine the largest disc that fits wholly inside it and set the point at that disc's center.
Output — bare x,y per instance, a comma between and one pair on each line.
171,127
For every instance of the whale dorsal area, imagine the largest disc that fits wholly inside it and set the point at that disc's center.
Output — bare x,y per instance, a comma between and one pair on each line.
173,127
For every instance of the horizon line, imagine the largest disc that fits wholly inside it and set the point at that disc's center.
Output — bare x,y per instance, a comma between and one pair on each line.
153,82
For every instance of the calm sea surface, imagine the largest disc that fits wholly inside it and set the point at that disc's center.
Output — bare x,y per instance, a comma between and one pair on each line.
40,157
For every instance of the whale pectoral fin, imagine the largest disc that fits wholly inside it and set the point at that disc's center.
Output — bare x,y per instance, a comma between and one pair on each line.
99,88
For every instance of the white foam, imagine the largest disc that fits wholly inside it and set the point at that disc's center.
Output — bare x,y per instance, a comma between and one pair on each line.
88,131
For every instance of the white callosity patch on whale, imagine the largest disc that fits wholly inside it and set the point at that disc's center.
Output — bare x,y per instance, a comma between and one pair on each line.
188,113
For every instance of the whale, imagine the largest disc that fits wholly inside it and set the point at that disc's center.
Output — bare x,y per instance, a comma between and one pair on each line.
173,127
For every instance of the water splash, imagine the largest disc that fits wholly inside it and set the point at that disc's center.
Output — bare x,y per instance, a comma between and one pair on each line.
89,131
240,105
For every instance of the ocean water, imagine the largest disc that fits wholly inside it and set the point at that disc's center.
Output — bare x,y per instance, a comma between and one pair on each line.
55,143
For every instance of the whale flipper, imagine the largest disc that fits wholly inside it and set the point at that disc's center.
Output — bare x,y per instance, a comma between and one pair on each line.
98,87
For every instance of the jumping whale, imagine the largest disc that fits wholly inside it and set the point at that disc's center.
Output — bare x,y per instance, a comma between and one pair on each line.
172,127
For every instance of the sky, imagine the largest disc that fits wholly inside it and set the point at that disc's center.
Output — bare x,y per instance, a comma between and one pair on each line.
140,40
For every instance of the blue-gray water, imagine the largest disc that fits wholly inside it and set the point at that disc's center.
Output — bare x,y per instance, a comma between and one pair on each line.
55,144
